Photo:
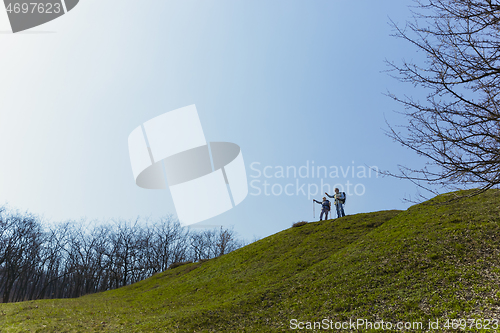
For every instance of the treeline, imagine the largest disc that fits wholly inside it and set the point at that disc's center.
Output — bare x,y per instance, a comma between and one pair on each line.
71,259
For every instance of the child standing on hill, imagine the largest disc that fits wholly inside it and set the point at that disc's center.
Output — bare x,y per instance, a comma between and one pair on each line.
325,208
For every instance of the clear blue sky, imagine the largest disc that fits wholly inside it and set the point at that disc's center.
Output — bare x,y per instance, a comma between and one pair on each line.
291,82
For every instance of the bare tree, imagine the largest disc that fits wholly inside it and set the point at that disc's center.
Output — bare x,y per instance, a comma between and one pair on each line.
52,262
168,244
457,127
125,251
202,244
226,241
212,243
21,241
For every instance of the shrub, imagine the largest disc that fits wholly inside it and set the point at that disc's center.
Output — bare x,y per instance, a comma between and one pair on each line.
177,264
299,224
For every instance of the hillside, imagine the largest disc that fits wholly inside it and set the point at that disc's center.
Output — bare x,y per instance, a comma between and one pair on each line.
432,261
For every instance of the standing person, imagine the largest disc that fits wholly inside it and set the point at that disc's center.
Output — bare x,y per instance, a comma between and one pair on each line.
339,202
325,208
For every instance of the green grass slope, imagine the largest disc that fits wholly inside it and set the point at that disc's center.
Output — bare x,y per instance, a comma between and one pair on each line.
434,261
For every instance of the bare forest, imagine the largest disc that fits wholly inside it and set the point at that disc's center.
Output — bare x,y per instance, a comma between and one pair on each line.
71,259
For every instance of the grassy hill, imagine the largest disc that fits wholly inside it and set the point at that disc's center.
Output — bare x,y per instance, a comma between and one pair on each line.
434,261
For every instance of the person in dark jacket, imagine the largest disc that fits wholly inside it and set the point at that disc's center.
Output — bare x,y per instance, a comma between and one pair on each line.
325,208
